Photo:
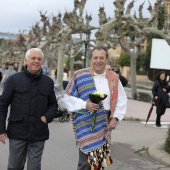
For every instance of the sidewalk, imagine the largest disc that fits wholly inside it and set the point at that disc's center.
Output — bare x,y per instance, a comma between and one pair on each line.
138,110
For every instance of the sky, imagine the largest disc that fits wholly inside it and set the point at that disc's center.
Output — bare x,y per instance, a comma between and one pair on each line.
16,15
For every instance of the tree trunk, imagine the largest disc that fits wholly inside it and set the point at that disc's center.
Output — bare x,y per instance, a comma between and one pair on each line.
133,76
71,66
61,53
1,61
72,63
21,62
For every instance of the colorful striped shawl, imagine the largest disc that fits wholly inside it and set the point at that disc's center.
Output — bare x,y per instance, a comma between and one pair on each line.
80,86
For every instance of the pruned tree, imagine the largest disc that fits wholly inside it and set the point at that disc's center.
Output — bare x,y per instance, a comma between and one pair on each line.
73,24
136,29
110,31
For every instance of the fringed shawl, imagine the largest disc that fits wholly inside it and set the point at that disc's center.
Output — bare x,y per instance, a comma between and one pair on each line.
80,86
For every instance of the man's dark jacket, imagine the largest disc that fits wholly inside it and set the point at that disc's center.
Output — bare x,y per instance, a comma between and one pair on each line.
31,96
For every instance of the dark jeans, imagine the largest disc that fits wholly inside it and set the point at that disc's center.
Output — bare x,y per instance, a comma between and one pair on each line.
65,84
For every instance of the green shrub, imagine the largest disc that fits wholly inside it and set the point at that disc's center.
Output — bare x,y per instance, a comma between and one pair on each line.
144,97
167,142
123,60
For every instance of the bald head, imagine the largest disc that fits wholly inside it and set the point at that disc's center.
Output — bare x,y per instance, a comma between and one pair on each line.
108,67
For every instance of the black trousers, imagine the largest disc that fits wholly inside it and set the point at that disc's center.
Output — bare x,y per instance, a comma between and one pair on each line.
82,163
158,119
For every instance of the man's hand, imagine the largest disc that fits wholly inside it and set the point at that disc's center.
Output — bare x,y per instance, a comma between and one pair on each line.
43,119
3,138
92,106
111,124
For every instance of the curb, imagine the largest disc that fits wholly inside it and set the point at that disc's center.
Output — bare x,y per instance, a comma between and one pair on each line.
157,152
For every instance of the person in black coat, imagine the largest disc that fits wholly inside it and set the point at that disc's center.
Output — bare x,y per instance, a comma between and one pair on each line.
159,91
122,79
31,97
0,76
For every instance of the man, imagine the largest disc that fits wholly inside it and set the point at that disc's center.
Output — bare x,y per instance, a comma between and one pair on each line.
10,70
95,144
3,69
46,70
123,80
33,105
108,67
6,75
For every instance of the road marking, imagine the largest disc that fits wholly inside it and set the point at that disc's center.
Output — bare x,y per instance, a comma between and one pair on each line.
164,124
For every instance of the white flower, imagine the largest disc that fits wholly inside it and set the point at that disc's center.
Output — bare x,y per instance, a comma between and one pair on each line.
101,94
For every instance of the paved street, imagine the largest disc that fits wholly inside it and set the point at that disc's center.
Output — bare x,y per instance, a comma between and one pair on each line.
129,139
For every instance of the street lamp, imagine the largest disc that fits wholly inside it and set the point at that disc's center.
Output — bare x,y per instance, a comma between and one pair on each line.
83,57
87,33
85,53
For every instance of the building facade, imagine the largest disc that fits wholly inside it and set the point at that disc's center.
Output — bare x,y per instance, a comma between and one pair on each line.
167,6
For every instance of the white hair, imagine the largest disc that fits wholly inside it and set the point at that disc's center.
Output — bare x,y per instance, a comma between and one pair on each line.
28,53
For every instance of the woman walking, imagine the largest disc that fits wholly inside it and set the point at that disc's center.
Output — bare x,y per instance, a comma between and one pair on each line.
159,91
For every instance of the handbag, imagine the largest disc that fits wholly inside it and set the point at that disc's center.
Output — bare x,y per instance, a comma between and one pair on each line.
167,101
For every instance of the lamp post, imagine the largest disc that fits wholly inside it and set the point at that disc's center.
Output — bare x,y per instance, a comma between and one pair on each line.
83,65
87,33
85,53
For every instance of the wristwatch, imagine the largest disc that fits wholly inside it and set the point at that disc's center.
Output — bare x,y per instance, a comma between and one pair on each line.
116,119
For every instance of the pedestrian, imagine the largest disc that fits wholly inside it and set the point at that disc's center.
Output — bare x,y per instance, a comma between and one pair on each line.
65,76
33,105
53,73
0,77
123,80
159,91
46,70
6,75
94,144
3,69
10,70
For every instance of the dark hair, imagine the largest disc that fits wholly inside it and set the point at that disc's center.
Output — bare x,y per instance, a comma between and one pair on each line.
158,75
10,64
100,48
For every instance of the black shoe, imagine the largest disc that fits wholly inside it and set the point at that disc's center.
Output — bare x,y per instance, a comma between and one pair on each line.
158,125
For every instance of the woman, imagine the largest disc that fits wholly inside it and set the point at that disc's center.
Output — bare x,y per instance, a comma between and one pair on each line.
159,91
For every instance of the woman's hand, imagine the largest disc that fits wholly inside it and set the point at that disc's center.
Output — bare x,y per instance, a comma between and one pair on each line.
164,90
156,97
